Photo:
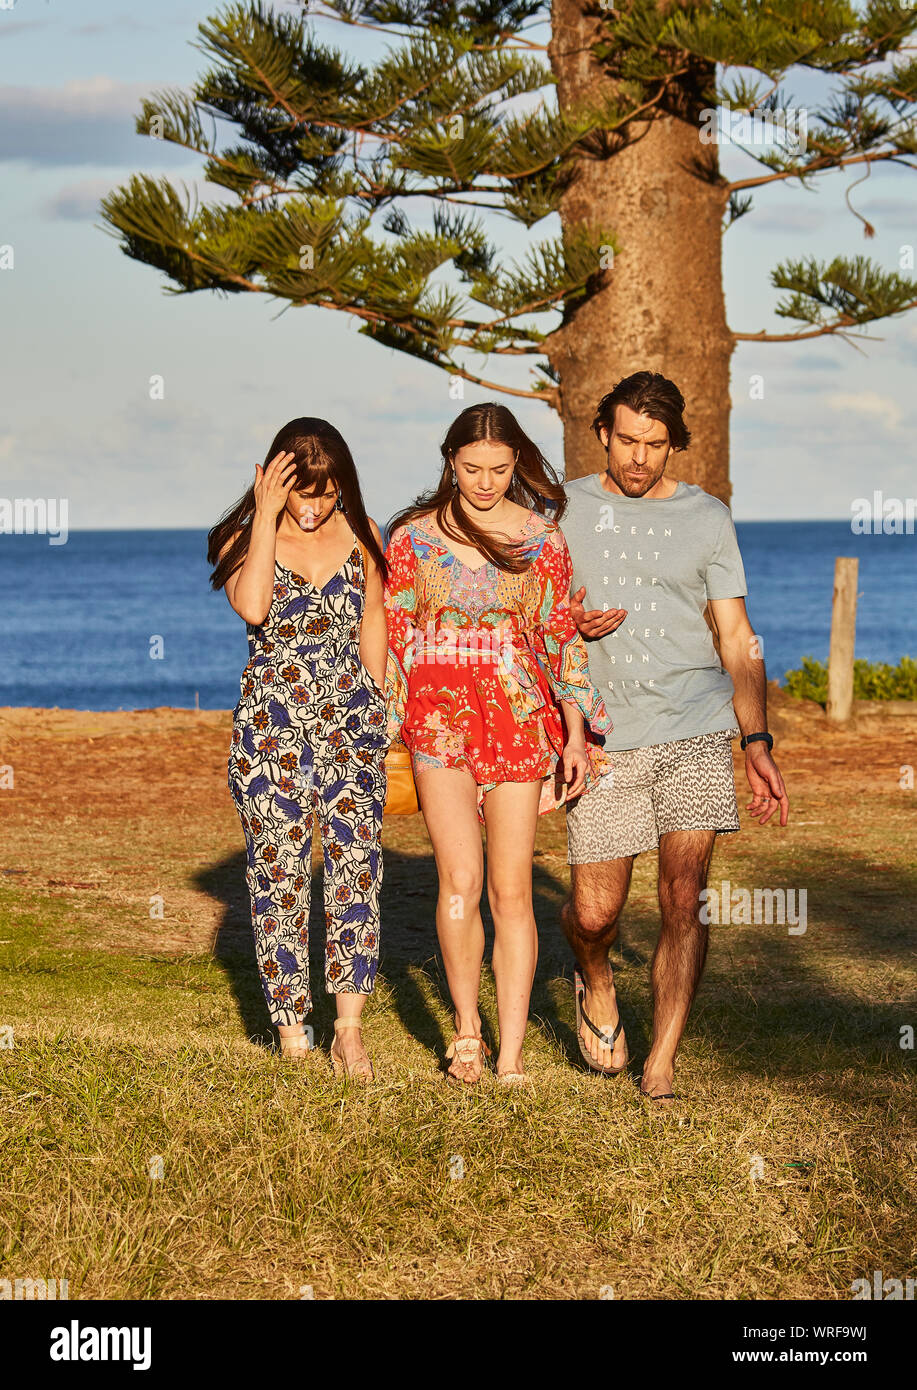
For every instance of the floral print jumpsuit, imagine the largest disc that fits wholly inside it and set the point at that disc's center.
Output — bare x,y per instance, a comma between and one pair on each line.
309,739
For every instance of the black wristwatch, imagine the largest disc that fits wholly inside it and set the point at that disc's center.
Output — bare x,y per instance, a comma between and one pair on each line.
759,738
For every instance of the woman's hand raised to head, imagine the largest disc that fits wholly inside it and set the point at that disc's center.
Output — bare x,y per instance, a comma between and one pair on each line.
273,483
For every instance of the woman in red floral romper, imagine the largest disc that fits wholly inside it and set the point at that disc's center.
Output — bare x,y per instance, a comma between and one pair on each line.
488,687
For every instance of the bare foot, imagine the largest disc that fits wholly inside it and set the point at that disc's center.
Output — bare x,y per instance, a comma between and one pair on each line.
601,1006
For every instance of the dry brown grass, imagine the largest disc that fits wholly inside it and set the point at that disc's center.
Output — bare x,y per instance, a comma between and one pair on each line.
131,1042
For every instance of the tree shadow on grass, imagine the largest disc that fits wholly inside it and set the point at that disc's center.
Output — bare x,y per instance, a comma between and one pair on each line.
411,964
234,944
769,1003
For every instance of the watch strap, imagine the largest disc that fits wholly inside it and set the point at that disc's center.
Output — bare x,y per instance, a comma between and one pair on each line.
759,738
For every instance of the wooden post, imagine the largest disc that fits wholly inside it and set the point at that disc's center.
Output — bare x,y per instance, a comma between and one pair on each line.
843,640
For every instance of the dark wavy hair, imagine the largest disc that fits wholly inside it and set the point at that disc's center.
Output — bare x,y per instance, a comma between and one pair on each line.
534,484
647,393
320,453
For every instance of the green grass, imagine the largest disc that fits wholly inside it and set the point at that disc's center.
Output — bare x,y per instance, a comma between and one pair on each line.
278,1178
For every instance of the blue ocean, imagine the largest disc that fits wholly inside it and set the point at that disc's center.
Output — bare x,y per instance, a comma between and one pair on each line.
127,620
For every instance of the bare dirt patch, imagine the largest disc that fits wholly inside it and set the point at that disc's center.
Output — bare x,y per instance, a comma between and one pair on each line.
114,810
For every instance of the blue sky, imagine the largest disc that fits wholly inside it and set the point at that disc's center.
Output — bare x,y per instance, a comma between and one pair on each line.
85,328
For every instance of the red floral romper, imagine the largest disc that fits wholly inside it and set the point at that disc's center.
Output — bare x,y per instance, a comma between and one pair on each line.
479,659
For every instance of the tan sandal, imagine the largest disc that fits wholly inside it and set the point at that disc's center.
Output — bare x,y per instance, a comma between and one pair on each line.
342,1068
513,1078
295,1044
466,1048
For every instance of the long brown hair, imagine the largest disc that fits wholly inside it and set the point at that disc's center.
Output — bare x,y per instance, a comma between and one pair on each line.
320,453
534,484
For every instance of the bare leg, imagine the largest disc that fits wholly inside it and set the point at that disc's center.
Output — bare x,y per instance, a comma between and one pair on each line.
448,799
511,816
590,919
678,961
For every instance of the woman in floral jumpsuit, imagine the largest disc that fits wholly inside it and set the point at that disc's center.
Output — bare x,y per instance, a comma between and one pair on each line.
308,735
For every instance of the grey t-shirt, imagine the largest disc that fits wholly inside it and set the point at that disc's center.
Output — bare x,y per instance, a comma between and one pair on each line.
661,559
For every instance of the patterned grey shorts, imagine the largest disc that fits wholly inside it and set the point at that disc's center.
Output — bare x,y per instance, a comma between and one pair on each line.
684,785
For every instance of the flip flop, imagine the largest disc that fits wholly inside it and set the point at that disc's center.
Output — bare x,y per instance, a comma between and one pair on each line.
657,1095
603,1034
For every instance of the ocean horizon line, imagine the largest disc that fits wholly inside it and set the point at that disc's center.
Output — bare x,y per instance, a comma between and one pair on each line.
203,527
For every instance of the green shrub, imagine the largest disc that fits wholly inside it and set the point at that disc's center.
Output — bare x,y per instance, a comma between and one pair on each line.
810,682
871,680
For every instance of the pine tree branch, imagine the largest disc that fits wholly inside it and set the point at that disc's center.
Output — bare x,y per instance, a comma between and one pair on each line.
552,398
507,38
773,37
184,130
854,292
473,344
822,166
330,149
840,328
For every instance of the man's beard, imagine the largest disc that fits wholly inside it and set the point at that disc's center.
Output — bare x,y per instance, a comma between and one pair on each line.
637,487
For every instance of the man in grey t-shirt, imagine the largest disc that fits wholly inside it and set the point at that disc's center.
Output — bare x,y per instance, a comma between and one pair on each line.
651,557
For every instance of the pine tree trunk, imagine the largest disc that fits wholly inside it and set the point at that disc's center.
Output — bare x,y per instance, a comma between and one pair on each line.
661,306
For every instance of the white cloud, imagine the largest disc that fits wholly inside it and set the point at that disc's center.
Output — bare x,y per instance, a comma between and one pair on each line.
82,98
890,213
79,202
777,217
84,121
110,26
18,26
869,403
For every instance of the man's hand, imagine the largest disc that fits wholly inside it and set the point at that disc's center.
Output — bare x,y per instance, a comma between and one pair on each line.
768,791
595,623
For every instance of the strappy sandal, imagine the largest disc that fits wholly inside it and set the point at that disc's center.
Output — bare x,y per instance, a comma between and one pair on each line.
513,1078
605,1035
466,1048
295,1044
342,1068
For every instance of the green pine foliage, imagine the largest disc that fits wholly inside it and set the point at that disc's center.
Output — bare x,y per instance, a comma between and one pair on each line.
359,187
